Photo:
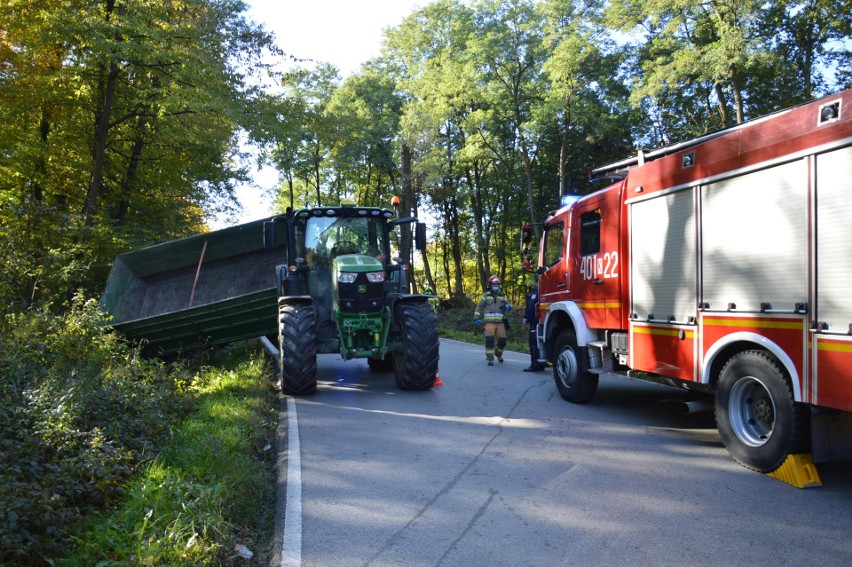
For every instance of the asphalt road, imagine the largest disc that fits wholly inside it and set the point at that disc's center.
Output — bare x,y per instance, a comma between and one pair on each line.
495,469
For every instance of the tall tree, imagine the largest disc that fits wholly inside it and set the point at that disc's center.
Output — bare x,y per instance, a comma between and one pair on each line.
714,43
509,48
131,122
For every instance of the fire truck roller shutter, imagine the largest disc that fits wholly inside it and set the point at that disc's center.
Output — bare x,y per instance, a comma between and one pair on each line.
664,254
753,239
832,383
834,240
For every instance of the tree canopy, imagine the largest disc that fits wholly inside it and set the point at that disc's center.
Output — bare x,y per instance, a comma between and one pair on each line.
121,120
500,107
124,119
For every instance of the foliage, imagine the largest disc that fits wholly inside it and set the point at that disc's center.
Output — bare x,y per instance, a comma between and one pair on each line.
482,114
211,485
78,411
457,323
120,129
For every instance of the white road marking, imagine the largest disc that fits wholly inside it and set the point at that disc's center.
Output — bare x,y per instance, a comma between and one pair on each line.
291,555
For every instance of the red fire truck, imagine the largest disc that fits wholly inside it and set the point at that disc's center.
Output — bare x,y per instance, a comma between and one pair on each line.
721,265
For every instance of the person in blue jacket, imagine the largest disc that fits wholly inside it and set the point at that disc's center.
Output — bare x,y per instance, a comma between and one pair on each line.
531,319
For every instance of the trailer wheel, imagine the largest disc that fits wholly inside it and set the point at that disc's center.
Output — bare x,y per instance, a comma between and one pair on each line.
297,349
758,419
416,365
570,370
381,365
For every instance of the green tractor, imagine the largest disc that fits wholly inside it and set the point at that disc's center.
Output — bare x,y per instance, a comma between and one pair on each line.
322,278
340,292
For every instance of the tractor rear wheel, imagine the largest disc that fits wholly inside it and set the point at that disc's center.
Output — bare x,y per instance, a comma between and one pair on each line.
416,365
297,349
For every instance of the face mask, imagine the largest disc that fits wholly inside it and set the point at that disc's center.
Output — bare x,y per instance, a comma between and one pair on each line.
495,288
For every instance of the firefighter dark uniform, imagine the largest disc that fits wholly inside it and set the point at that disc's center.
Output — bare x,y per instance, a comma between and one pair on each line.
491,312
531,319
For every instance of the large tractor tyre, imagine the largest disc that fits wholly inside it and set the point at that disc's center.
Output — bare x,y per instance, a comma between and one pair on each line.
383,365
571,370
297,349
758,419
416,366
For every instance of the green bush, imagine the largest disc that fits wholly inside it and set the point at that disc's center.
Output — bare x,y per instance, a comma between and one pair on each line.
457,323
78,409
212,484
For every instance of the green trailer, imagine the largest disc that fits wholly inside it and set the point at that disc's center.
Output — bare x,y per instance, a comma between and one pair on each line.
322,279
207,289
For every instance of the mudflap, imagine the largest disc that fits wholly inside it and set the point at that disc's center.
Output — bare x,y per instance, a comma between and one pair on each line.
831,435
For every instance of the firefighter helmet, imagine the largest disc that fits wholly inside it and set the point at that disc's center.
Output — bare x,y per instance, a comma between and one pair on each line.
493,280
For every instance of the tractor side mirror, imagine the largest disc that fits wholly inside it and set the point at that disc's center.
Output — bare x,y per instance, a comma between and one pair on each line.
420,235
269,235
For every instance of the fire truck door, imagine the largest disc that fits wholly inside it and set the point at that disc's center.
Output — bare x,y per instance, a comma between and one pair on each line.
553,281
596,263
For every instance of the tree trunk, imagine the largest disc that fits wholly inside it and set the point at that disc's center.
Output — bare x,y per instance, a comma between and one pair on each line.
102,120
738,99
482,249
103,115
132,167
723,108
445,255
452,216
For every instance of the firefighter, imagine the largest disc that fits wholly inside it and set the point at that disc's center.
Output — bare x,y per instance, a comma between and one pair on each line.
491,311
531,319
433,301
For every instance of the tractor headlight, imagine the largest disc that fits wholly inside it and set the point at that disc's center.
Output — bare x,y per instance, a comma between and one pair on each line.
347,277
375,277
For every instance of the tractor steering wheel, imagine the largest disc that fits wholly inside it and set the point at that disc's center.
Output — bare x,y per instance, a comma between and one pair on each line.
344,247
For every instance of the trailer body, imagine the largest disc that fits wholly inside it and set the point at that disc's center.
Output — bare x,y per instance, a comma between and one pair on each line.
207,289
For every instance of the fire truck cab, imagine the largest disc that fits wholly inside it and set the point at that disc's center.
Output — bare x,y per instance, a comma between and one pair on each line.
720,265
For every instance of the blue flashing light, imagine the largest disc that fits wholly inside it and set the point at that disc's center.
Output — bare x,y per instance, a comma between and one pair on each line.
568,200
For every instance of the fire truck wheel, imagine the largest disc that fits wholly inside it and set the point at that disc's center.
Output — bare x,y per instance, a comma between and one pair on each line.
297,349
416,365
570,370
383,365
758,420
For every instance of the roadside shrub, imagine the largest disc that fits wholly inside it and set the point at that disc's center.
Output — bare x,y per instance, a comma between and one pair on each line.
458,324
78,410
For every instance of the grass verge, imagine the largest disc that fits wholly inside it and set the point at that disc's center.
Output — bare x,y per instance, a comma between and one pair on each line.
211,487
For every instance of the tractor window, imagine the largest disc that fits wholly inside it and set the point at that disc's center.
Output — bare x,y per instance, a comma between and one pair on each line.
554,244
329,237
590,232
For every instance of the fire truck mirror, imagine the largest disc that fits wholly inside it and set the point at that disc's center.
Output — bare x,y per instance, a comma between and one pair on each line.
527,248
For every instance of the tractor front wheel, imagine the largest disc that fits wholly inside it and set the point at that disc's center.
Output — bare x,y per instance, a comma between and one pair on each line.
297,349
416,365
